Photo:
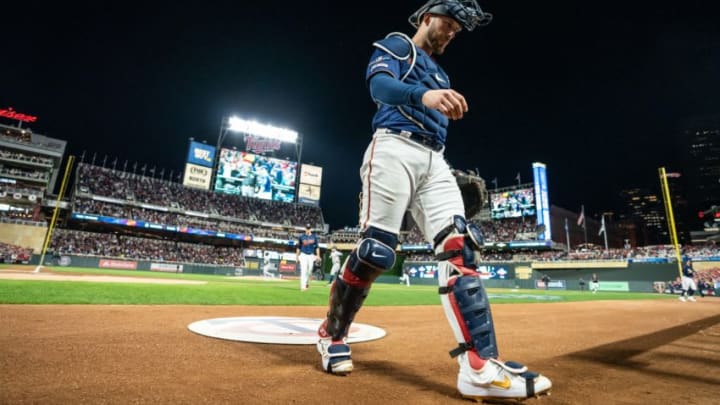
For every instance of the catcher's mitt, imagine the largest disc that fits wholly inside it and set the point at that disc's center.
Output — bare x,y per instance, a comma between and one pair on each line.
474,193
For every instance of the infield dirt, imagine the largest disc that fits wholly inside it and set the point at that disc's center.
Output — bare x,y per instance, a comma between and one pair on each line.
607,352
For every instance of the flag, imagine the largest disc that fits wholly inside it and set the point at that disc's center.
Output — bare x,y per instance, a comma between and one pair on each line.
566,225
602,226
581,217
518,177
494,181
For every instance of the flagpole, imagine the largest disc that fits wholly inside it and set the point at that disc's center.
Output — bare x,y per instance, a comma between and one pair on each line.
605,232
584,224
604,229
567,235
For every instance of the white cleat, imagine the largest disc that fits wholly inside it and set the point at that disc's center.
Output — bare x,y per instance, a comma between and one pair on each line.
335,356
691,298
499,381
681,298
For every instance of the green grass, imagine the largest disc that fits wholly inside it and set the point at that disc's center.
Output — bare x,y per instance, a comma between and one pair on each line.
221,290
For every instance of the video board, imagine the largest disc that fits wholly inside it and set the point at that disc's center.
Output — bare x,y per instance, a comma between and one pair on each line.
512,203
250,175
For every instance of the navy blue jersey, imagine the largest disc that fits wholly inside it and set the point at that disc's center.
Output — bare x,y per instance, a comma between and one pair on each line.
308,243
688,270
398,57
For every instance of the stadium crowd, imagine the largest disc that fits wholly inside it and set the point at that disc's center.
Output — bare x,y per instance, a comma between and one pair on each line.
14,254
94,207
74,242
101,181
23,157
494,231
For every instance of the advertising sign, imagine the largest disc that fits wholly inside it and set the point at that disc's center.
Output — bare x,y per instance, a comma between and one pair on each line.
118,264
201,154
541,200
197,176
308,194
311,175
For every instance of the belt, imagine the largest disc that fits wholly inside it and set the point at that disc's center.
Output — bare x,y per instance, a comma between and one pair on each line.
417,138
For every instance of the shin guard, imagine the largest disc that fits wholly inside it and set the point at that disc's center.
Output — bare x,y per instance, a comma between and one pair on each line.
462,293
345,302
373,255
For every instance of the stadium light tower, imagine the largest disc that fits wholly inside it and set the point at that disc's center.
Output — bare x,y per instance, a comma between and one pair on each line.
254,128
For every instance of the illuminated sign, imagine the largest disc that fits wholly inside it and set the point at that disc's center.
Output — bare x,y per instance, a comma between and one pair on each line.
542,202
201,154
310,181
261,145
197,176
308,194
12,114
310,175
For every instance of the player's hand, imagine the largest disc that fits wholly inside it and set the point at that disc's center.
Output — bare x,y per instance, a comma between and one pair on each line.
448,101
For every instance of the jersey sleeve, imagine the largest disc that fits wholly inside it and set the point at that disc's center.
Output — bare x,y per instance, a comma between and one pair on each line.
381,61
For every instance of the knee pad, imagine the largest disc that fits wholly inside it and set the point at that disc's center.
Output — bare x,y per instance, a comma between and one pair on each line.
374,254
457,243
468,311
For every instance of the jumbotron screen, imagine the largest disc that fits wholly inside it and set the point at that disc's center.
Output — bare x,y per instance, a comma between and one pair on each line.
250,175
513,203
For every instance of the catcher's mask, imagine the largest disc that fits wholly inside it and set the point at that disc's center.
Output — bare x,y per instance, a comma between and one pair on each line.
467,12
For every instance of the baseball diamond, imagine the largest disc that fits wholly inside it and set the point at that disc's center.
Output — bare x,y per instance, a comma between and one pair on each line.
145,354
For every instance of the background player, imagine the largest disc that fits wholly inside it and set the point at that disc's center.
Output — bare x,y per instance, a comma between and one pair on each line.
594,283
335,256
307,252
405,278
404,169
267,267
688,281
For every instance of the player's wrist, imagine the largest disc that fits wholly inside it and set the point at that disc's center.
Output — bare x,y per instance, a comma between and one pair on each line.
417,96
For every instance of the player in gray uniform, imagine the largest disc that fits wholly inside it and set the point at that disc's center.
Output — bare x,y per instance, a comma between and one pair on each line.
335,256
404,170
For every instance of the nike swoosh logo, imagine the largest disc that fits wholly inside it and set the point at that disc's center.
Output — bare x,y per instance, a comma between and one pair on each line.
440,79
505,384
373,254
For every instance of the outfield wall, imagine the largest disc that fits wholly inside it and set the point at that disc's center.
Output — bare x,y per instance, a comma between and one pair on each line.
96,262
613,275
635,277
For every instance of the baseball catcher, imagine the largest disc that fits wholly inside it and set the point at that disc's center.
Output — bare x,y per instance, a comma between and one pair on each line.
404,170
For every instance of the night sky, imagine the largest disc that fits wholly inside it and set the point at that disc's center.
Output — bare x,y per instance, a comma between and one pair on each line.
596,91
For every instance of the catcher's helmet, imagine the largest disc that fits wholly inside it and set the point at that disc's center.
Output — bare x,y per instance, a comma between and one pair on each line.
467,12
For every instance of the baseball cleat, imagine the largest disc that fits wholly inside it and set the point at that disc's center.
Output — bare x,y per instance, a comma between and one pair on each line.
691,298
498,381
681,298
335,356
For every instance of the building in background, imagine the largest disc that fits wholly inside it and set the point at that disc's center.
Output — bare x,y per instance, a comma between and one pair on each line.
701,162
645,208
